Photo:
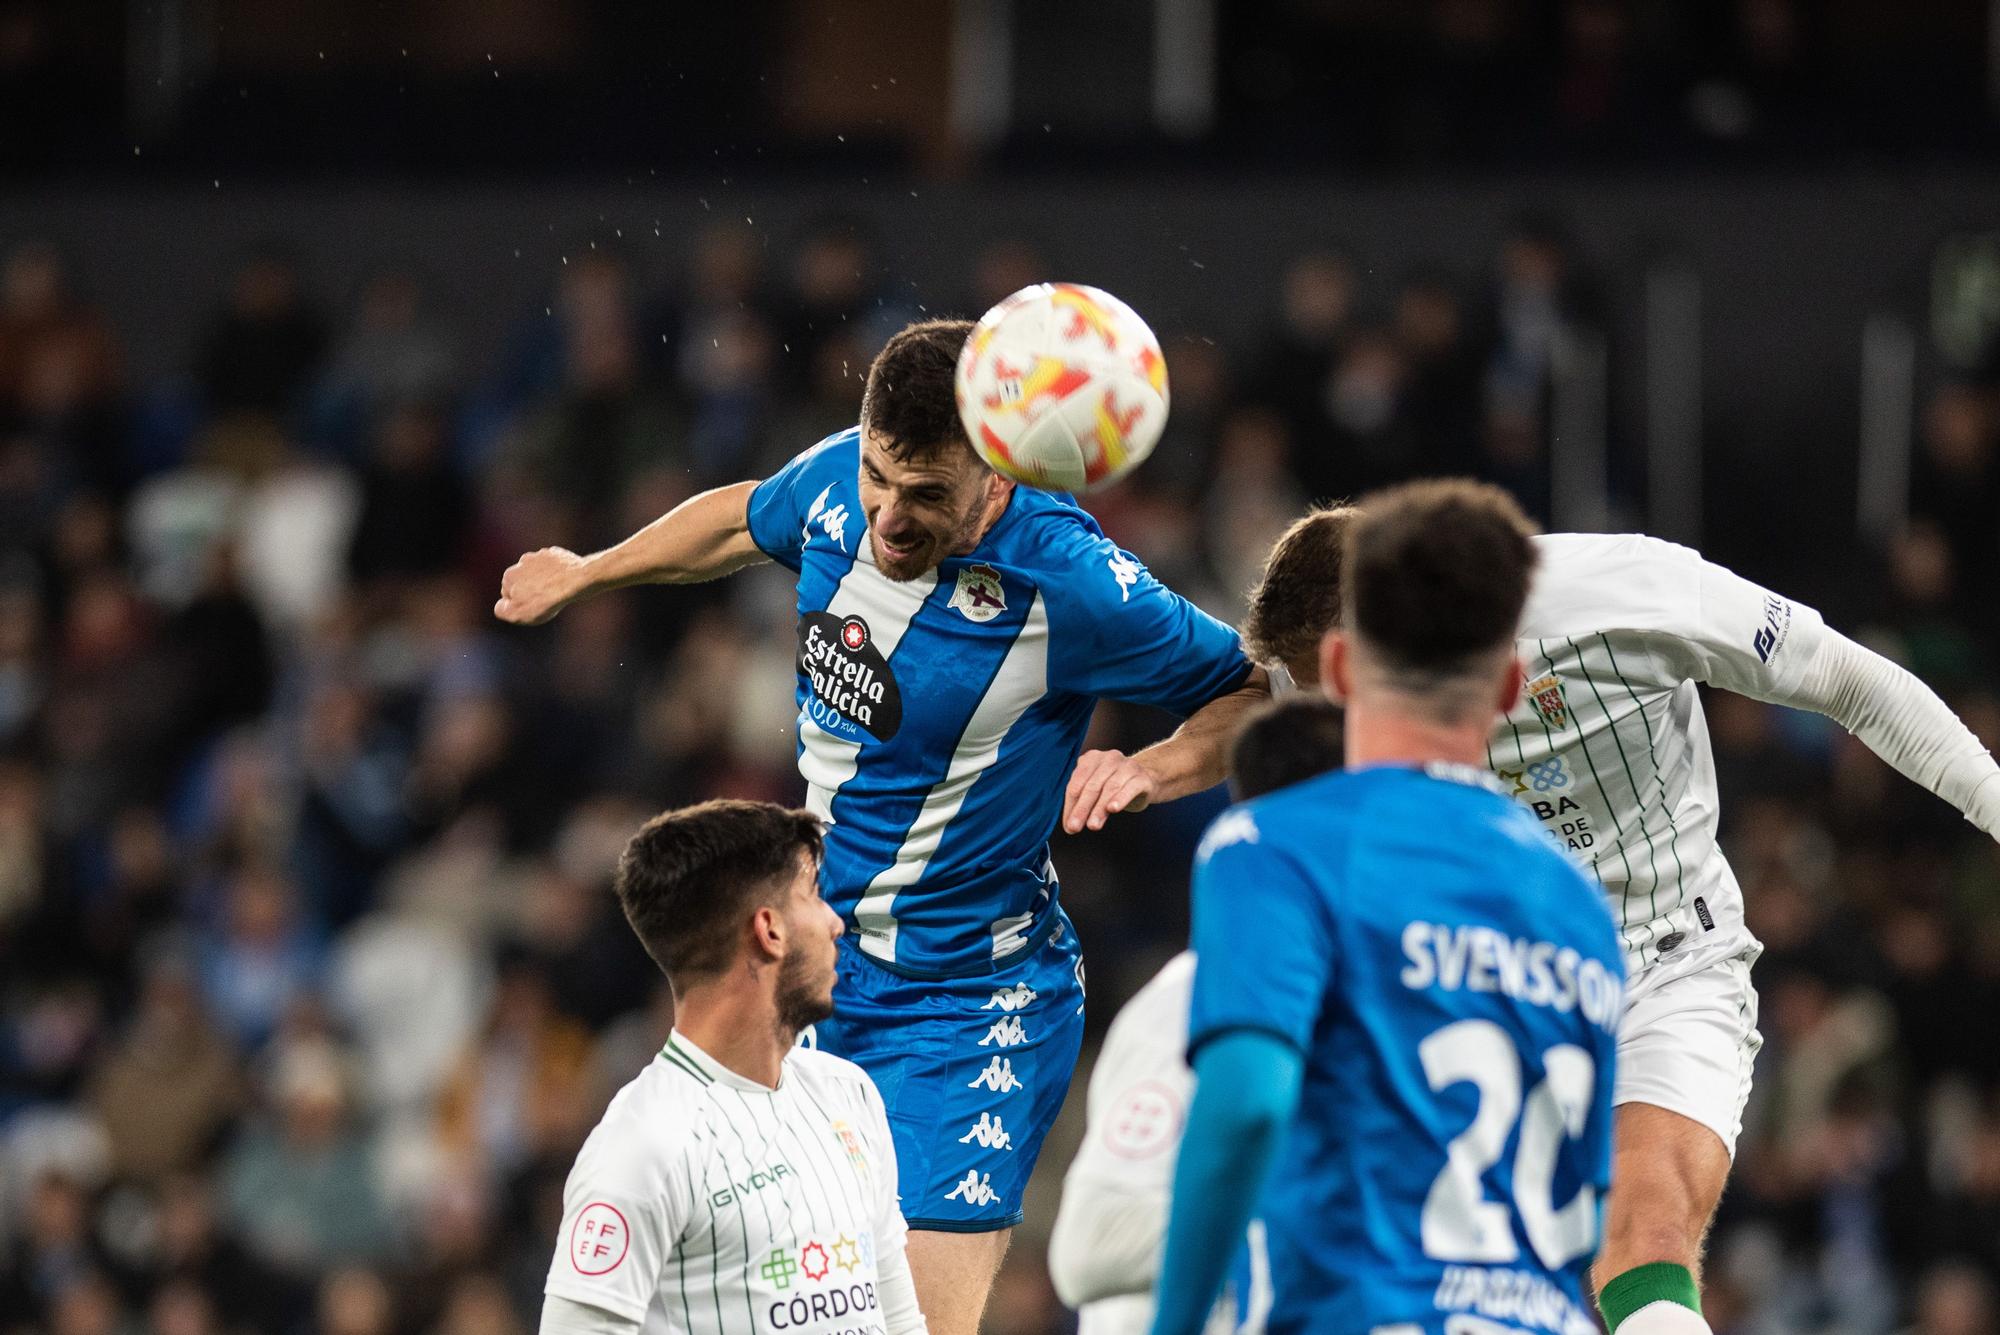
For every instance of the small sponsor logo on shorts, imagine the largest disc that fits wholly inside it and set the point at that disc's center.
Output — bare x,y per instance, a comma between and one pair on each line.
1011,999
976,1188
998,1076
1671,942
1701,911
989,1133
1006,1033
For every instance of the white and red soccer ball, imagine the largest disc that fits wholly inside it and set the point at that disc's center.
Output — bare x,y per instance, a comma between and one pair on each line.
1063,387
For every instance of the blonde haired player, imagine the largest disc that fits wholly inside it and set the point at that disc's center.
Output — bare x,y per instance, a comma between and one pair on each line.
1609,748
739,1185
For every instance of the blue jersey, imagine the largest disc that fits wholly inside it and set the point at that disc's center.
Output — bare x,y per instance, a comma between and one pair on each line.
939,717
1454,984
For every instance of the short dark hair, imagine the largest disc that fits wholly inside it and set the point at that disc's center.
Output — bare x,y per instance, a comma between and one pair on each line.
1297,598
1286,742
688,877
1436,573
910,403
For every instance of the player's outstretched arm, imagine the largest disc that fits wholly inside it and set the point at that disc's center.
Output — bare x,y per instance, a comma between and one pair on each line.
1744,638
1246,1091
1196,757
704,537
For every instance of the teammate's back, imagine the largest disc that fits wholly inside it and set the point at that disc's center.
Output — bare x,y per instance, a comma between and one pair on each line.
1454,1137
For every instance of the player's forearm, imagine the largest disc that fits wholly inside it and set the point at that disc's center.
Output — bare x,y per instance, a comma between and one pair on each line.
897,1292
1903,721
1106,1241
702,538
566,1316
1247,1091
1196,757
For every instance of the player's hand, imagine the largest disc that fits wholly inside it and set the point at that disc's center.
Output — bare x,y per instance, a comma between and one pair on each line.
1104,784
537,586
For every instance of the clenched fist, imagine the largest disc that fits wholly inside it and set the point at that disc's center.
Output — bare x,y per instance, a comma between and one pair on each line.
539,585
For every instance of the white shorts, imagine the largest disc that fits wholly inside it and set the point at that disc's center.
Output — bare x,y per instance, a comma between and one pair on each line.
1689,1040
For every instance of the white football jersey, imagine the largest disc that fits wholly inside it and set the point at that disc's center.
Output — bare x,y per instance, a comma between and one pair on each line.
1608,745
1137,1107
706,1204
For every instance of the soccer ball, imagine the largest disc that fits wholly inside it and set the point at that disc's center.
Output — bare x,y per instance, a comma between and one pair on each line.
1063,387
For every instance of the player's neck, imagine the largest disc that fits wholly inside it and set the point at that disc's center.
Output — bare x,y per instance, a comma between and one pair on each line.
1388,736
738,1028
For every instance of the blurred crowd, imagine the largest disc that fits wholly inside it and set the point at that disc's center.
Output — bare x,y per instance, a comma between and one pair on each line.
311,981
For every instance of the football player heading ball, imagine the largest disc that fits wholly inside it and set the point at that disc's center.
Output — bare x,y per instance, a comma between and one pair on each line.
955,633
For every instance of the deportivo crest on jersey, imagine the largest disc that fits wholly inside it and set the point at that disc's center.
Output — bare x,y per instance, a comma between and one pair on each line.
1546,695
978,596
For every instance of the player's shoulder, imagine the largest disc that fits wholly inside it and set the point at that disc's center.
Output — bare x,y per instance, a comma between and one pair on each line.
822,1072
1046,533
1590,582
648,1124
1316,814
1157,1012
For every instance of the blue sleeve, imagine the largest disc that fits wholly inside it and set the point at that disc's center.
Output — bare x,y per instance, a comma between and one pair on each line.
1117,633
1261,933
1246,1091
781,506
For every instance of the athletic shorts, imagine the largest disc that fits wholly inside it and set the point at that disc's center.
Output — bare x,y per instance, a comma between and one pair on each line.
1689,1040
973,1071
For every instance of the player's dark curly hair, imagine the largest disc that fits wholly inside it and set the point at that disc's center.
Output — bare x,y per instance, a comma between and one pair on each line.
1286,742
909,403
1297,598
1435,574
688,877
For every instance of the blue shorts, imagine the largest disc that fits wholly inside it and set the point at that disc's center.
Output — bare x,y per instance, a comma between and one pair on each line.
973,1071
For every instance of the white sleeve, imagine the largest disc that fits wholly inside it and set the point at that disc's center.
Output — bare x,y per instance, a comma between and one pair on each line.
1746,639
894,1287
1112,1221
624,1207
564,1316
1904,722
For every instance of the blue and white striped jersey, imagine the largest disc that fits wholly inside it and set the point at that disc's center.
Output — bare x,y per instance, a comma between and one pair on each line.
939,718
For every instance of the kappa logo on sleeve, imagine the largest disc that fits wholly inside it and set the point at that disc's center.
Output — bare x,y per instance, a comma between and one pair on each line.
832,520
1126,571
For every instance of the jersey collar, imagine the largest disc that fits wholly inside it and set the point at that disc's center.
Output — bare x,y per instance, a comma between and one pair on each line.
681,1052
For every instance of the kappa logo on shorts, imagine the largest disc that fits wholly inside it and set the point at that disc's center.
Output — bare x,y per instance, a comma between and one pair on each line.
998,1076
990,1134
975,1189
979,595
1006,1033
1011,999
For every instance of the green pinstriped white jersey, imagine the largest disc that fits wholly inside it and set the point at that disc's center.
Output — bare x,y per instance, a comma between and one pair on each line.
706,1204
1608,745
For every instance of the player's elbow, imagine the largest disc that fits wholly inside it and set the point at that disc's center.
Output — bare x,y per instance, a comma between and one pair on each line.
1106,1241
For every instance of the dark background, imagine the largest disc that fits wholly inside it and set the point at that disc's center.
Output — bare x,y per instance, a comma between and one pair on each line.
313,315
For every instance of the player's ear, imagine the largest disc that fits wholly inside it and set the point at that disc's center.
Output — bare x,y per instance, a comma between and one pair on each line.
1510,685
767,933
1336,666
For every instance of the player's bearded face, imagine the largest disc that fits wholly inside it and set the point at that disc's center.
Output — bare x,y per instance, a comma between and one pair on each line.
924,509
805,977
